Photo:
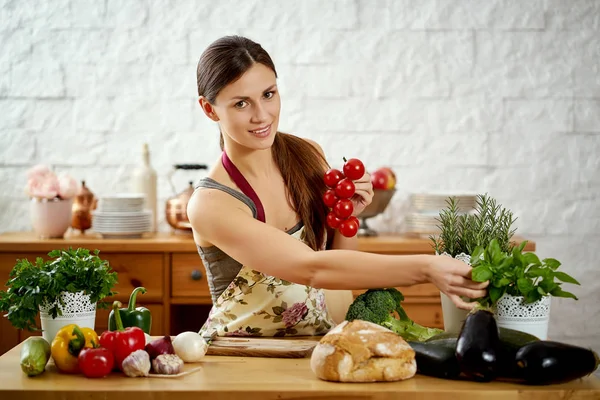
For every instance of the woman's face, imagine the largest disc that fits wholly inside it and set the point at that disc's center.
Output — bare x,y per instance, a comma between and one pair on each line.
248,109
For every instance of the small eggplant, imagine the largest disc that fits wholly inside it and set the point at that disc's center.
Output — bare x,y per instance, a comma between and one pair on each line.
546,362
478,346
436,359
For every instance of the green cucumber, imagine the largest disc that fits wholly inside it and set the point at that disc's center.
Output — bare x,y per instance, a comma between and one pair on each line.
35,354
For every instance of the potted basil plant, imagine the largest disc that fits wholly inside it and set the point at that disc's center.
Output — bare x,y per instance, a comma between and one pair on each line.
66,289
520,286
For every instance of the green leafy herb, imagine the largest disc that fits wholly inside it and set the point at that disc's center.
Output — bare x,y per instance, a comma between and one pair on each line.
518,274
32,285
462,232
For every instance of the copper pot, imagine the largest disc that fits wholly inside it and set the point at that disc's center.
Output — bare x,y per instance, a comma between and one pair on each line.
83,204
176,206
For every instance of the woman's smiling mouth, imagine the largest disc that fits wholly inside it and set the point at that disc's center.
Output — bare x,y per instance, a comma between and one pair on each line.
262,132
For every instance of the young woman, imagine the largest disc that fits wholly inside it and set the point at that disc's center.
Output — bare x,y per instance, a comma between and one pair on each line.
259,220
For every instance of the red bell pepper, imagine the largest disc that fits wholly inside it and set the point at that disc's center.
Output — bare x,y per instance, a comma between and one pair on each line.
122,342
96,362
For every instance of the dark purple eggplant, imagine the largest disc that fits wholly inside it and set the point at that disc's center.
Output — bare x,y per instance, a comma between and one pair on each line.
548,362
436,359
478,346
510,342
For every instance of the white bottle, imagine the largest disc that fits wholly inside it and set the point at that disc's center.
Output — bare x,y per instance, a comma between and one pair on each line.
143,180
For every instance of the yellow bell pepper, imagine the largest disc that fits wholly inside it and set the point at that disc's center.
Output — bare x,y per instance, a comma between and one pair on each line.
67,344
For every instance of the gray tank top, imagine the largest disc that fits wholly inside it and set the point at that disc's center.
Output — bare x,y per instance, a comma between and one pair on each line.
221,269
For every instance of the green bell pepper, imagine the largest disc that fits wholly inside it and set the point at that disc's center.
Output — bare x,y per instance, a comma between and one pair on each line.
132,316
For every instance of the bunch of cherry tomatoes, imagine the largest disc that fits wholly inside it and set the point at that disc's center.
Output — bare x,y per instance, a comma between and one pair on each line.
337,197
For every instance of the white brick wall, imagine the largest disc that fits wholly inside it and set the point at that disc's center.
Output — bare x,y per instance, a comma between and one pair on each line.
489,96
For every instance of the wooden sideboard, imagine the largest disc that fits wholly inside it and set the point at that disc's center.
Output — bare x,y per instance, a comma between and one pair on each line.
171,270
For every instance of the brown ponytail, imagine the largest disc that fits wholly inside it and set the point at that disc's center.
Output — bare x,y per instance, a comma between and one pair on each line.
300,163
302,168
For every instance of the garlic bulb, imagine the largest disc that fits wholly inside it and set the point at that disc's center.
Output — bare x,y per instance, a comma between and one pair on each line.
137,364
167,364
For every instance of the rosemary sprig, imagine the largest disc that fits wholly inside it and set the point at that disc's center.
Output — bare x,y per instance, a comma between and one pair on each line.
464,232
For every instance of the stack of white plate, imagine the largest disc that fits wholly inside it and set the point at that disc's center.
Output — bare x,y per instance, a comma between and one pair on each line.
122,216
425,208
438,201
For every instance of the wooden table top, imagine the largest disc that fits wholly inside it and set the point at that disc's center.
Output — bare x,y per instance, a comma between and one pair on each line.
170,242
265,378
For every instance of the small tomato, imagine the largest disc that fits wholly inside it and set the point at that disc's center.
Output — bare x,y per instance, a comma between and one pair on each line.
349,227
96,362
329,198
343,208
345,189
354,169
333,221
332,177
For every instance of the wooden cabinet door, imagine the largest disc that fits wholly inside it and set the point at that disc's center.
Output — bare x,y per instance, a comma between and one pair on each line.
188,277
9,336
137,269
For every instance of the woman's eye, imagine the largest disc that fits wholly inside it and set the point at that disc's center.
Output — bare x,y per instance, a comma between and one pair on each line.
270,94
240,104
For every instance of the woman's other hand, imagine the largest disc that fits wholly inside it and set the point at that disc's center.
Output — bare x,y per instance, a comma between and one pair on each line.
363,194
453,278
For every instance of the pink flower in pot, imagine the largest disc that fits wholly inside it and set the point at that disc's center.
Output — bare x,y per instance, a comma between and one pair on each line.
44,187
42,183
51,201
67,186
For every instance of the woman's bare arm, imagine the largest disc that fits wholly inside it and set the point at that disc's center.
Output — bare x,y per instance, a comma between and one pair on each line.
220,219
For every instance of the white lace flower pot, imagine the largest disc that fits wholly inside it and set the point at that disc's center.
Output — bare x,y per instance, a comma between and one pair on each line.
532,318
452,315
77,310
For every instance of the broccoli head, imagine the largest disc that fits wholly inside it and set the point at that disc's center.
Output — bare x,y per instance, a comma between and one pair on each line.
380,306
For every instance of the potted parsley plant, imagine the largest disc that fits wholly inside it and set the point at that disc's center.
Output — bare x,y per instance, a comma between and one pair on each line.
66,289
520,286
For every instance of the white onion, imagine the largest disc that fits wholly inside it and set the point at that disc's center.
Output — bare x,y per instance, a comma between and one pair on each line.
190,346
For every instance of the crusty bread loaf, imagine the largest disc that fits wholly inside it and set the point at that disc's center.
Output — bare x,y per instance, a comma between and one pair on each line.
361,351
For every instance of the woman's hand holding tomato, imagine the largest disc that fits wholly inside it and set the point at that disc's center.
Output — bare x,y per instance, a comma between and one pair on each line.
349,193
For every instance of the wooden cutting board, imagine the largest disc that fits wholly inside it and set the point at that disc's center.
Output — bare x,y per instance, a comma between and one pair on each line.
262,347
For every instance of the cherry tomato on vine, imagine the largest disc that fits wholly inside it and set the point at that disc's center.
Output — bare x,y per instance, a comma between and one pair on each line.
349,227
345,189
332,221
329,198
354,169
332,177
343,208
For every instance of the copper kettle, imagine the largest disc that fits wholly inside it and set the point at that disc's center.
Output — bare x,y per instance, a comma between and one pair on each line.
176,207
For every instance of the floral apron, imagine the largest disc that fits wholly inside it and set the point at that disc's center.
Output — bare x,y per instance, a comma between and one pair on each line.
256,304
